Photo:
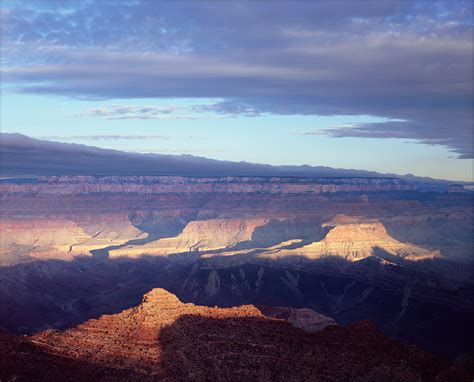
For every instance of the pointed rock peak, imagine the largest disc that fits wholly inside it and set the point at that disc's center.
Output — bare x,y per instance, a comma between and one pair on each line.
159,296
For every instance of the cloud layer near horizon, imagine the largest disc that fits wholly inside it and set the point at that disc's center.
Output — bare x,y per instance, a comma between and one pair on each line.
410,62
23,155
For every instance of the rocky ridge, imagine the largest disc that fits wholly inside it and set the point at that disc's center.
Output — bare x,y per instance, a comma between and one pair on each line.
164,339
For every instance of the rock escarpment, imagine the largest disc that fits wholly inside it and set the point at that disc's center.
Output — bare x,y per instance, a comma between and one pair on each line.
63,238
176,184
197,236
346,238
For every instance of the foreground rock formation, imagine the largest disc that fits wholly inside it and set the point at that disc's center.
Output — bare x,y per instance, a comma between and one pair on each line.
162,338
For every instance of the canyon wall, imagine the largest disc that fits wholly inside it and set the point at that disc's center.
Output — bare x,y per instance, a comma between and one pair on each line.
171,184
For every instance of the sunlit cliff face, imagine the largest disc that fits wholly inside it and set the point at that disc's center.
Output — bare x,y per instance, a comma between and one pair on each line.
216,238
350,238
61,238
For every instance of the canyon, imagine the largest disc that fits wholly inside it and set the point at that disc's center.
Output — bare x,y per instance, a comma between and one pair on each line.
76,248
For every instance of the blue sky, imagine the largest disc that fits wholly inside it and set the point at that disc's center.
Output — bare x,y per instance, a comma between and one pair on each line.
384,86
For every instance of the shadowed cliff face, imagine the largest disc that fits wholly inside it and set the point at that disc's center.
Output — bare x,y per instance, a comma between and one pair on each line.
23,360
162,338
74,248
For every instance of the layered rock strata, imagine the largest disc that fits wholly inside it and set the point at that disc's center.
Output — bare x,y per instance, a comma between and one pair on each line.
170,184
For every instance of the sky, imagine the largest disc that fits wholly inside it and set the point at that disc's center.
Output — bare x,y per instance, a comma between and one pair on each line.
385,86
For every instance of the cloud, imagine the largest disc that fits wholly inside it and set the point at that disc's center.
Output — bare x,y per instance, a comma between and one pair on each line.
103,137
130,112
22,155
228,109
409,61
146,150
432,133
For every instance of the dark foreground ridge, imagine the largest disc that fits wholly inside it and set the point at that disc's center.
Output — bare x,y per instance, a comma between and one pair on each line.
164,339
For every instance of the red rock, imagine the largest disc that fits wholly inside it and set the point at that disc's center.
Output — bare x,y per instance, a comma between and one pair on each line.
163,338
